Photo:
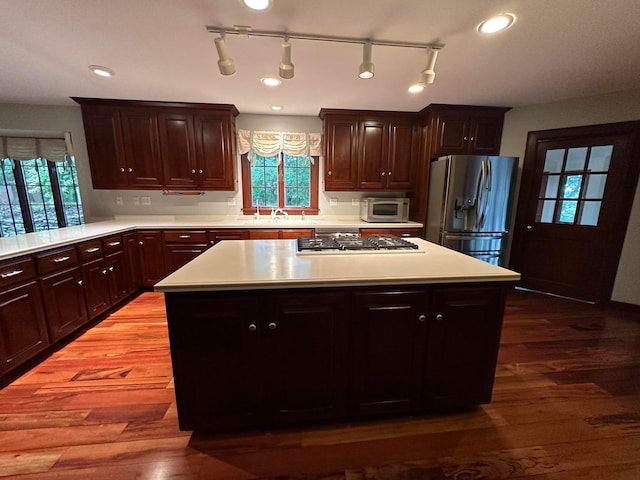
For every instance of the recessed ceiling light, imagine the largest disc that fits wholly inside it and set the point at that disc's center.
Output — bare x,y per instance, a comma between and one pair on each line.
416,88
257,4
102,71
270,81
276,108
497,24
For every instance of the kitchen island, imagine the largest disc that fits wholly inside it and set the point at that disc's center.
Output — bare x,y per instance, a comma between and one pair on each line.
262,336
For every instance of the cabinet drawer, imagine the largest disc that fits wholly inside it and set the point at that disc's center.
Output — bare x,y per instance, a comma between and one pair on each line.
112,244
185,236
14,272
56,260
90,250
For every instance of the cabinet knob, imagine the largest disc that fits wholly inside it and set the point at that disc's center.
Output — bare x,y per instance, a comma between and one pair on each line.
272,326
80,282
472,139
200,171
104,271
252,327
141,243
529,228
422,318
122,169
439,317
389,173
384,173
464,138
193,170
212,242
110,268
130,169
329,172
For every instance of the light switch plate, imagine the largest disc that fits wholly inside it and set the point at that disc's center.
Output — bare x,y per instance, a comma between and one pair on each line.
119,200
333,202
146,200
136,200
355,202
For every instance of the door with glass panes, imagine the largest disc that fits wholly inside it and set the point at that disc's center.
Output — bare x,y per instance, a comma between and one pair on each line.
575,199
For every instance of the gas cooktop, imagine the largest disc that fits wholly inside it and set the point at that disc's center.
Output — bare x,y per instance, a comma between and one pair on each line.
340,243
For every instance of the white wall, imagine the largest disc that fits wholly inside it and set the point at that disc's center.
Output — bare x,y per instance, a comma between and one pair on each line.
610,108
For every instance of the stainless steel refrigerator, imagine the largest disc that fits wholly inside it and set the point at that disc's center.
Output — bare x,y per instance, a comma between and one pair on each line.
471,204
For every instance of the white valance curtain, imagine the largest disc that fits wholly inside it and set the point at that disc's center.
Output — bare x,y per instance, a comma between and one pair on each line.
269,144
28,148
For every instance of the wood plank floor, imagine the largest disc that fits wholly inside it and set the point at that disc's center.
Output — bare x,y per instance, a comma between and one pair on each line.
566,406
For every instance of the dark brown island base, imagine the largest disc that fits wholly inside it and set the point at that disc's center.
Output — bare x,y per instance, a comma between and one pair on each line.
262,336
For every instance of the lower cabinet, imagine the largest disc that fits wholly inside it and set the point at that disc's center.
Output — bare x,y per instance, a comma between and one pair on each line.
64,298
216,236
247,360
182,246
23,327
388,341
151,254
278,357
275,234
96,284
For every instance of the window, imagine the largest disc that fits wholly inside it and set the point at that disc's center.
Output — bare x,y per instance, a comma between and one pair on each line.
282,181
37,193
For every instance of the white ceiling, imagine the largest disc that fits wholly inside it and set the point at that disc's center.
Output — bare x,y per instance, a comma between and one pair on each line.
160,50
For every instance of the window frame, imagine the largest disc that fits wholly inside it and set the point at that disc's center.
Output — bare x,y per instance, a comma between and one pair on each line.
249,209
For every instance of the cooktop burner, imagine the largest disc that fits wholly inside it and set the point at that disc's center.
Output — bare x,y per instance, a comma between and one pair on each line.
354,243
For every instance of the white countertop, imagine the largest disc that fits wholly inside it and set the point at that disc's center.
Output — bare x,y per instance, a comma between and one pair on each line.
260,264
15,246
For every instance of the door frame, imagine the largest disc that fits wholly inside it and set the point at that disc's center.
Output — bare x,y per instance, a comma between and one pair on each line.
616,240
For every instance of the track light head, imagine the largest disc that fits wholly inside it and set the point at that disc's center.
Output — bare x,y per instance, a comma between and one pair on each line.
366,67
286,67
428,75
225,62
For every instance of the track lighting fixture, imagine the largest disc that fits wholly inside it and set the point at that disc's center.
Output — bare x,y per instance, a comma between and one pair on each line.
225,62
286,67
366,67
428,75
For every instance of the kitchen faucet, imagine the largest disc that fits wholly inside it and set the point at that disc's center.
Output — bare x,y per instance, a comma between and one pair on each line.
275,212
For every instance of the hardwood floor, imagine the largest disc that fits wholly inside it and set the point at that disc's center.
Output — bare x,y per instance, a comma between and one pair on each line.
566,405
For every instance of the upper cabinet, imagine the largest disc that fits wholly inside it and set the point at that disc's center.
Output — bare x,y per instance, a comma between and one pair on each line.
159,145
465,130
369,150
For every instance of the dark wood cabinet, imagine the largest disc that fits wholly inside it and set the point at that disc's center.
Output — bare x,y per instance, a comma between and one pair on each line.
369,150
463,130
153,145
132,259
388,342
23,326
96,287
464,335
182,246
279,234
216,236
151,251
64,299
245,360
118,276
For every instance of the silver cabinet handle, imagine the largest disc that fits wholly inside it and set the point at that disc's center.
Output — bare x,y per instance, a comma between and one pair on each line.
113,244
252,327
422,318
80,282
184,236
92,250
60,259
272,326
439,317
11,274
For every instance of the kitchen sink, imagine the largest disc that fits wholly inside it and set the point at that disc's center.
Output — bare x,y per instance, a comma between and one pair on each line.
280,222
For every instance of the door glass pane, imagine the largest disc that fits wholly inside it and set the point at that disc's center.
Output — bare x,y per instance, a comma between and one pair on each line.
599,158
545,211
567,213
553,161
549,187
576,158
595,185
571,186
590,213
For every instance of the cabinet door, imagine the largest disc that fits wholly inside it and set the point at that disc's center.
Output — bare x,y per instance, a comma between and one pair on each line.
264,234
215,152
103,131
464,335
451,134
96,287
485,134
388,340
304,356
177,150
23,328
215,352
140,135
132,258
216,236
118,276
293,233
373,155
341,154
400,174
178,255
152,267
64,301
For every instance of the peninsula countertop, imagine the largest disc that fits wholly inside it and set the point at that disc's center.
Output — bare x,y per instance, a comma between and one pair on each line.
24,244
264,264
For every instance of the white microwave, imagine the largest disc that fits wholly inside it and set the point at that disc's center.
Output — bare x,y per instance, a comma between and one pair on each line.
383,210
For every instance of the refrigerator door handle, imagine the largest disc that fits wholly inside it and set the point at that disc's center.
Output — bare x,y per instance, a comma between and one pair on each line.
486,188
474,236
478,195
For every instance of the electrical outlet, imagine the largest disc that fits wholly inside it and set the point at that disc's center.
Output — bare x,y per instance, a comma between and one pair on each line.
333,202
146,200
118,200
231,201
136,200
355,202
